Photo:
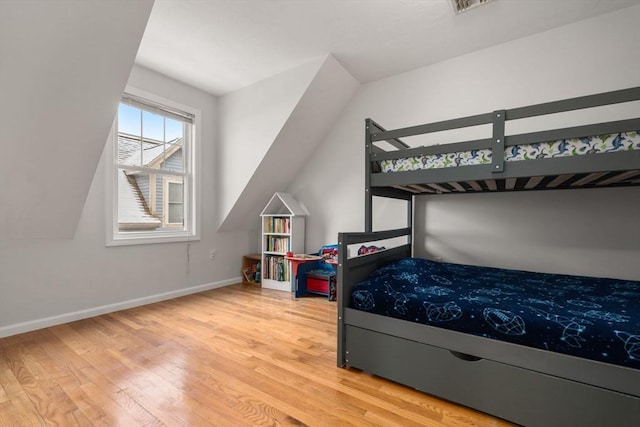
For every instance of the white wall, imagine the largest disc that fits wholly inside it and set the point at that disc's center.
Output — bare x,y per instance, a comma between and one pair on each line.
45,282
269,129
596,55
250,121
63,65
593,232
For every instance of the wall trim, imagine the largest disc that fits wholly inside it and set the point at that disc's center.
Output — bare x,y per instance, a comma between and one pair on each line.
45,322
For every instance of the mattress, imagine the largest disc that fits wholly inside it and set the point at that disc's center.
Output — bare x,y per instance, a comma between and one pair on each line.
593,318
624,141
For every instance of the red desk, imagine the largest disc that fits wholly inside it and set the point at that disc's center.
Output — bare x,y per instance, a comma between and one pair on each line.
296,260
311,283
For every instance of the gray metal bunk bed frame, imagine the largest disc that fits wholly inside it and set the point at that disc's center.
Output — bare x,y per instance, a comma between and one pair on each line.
521,384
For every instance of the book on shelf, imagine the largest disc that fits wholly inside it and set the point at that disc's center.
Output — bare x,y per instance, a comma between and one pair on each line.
277,244
277,268
277,225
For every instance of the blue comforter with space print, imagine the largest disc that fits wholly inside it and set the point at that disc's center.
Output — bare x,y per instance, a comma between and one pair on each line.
588,317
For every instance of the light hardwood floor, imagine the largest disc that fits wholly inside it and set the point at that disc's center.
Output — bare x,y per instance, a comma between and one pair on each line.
233,356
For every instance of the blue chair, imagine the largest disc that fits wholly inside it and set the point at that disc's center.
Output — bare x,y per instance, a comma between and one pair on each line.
318,276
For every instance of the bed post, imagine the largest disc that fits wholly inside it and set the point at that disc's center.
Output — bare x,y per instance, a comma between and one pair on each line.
341,294
410,221
497,154
368,197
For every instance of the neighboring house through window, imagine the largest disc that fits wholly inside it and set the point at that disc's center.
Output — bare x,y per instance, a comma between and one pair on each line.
152,178
173,206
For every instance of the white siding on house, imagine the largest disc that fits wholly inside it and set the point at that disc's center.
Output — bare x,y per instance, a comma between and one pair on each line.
143,184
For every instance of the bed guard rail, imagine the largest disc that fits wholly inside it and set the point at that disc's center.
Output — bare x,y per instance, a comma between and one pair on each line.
498,141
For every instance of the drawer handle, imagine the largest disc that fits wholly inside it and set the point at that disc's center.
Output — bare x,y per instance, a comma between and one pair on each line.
464,356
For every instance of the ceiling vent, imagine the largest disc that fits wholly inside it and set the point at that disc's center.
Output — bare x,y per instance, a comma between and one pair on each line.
463,5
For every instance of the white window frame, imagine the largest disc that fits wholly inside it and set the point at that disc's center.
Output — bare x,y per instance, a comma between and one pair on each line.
166,180
191,183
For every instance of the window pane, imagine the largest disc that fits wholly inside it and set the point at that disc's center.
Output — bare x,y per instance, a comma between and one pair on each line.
146,201
173,200
174,137
129,120
129,149
161,145
173,130
173,156
176,213
136,207
152,126
175,192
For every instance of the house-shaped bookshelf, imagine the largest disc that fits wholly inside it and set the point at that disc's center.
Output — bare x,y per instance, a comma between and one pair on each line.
283,221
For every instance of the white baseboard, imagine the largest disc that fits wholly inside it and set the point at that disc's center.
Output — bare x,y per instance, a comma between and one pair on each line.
45,322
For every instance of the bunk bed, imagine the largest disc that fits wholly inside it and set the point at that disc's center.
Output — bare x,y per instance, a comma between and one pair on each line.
500,373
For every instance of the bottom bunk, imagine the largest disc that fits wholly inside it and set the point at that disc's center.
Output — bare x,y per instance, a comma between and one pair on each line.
520,383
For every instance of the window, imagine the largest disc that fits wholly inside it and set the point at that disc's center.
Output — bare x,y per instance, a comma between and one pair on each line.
173,212
152,179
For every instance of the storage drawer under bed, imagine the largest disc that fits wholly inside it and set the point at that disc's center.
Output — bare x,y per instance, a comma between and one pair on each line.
519,395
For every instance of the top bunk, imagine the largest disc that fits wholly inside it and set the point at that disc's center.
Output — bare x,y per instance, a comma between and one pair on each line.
596,154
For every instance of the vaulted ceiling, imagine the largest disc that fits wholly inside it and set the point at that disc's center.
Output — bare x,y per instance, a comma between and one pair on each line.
223,45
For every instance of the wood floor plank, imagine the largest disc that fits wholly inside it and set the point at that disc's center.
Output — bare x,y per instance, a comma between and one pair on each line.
234,356
19,412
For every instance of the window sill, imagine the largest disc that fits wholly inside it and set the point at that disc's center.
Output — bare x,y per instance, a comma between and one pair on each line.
146,239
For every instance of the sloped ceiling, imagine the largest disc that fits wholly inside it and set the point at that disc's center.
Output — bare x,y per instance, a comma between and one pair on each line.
63,67
250,40
268,132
